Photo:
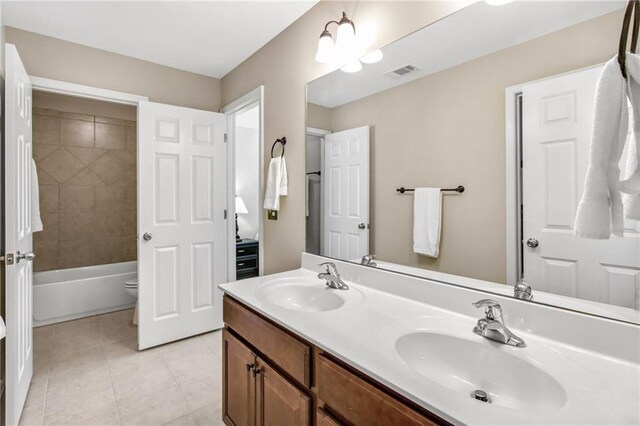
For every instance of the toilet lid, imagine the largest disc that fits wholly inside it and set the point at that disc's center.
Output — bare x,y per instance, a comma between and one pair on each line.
131,283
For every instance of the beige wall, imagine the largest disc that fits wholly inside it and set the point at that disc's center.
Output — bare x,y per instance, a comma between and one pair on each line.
318,117
61,60
449,129
284,66
86,167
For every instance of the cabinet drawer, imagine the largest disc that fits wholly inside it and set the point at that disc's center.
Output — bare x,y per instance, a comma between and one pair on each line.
324,419
249,250
246,263
359,402
290,354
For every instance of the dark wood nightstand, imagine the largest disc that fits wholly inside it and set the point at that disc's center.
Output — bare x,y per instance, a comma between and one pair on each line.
247,262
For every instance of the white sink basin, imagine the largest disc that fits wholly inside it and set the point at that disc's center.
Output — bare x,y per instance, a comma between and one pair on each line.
465,365
307,295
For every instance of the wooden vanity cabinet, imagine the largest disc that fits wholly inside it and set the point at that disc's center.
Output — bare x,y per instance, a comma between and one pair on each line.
271,377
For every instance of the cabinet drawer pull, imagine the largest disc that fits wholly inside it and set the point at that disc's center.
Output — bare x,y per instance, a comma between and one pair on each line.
256,371
250,367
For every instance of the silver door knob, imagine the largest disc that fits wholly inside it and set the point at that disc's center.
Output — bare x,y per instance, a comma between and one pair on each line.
361,226
26,256
147,236
532,242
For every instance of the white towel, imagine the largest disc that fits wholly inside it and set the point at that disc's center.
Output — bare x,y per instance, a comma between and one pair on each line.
427,219
276,183
36,221
600,210
630,183
3,329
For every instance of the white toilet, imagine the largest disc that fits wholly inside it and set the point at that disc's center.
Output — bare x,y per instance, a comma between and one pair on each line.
131,286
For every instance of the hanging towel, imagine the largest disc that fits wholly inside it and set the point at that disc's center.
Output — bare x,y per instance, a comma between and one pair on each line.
3,329
600,210
427,217
276,183
36,221
630,183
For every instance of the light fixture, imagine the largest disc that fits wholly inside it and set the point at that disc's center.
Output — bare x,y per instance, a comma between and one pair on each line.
345,45
372,57
353,66
241,208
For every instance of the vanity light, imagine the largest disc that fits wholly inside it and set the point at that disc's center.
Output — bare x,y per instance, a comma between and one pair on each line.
345,46
353,66
372,57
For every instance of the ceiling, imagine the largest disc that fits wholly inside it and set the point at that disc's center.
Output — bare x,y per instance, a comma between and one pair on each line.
473,32
208,37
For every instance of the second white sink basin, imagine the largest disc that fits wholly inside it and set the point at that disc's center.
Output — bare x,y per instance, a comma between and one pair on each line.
465,365
307,295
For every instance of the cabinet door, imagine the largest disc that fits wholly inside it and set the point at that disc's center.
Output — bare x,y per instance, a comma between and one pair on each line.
324,419
279,402
239,385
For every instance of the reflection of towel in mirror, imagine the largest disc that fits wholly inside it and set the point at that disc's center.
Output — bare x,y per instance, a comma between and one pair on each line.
600,210
36,221
630,183
427,217
276,183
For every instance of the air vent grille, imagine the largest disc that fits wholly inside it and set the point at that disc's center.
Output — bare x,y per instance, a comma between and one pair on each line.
402,71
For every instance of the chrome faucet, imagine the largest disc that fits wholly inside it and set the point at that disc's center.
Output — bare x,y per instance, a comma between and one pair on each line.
522,290
492,327
332,276
367,260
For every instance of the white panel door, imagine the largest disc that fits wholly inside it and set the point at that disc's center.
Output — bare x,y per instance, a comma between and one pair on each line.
557,122
345,172
19,270
182,181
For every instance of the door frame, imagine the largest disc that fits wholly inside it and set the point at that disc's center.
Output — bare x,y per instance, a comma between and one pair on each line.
321,133
513,158
81,91
254,97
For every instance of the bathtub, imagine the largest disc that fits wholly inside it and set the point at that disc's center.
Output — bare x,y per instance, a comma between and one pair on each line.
67,294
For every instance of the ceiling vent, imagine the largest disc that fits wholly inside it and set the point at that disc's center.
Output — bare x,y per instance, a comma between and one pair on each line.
402,71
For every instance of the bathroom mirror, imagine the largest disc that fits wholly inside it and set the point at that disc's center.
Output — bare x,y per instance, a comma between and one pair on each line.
504,108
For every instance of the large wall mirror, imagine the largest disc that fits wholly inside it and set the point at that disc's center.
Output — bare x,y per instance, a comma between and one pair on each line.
486,100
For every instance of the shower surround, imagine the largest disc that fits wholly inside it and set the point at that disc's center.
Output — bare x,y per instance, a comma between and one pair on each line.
87,179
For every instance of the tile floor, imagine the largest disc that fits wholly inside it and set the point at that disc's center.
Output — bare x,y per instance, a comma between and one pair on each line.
89,372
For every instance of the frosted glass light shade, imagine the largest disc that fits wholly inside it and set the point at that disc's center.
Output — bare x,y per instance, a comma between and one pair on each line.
346,41
353,66
241,207
497,2
325,51
372,57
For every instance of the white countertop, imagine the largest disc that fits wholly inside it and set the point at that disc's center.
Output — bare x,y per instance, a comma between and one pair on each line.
600,389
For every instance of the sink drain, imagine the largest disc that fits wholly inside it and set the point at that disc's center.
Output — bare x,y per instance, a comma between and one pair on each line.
480,395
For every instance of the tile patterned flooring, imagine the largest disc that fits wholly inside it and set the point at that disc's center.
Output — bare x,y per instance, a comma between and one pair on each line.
89,372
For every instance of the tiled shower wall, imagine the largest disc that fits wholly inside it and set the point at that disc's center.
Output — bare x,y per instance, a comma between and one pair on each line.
87,177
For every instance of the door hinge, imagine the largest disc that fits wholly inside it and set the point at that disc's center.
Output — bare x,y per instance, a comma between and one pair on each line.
225,214
226,138
8,259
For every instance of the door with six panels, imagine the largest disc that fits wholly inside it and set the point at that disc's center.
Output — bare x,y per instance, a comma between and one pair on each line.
182,241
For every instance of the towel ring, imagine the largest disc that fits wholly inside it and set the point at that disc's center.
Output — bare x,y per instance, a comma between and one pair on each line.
283,142
633,9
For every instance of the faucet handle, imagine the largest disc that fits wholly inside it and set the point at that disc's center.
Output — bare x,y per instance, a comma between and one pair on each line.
489,305
329,266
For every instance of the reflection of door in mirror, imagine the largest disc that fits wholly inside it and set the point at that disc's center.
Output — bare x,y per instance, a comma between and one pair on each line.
313,205
557,118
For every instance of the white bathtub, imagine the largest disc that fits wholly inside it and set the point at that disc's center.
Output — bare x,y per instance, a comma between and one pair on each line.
67,294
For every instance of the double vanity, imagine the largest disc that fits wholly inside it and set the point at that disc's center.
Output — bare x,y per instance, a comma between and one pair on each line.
353,344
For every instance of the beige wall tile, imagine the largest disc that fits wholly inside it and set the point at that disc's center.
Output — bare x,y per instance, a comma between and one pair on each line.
40,151
132,138
46,112
76,133
77,226
110,198
50,228
46,130
131,223
109,251
61,165
77,116
86,178
110,136
46,256
110,167
49,199
110,225
75,199
86,155
130,249
72,254
107,120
